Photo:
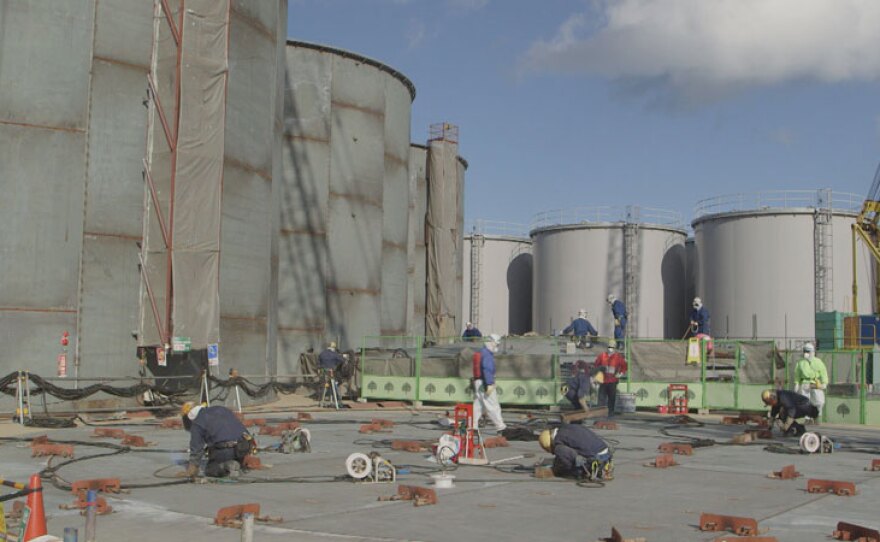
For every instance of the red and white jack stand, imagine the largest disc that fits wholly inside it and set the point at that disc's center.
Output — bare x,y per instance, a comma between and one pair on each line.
467,432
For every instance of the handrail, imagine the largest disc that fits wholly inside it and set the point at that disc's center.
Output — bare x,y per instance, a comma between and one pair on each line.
779,199
631,214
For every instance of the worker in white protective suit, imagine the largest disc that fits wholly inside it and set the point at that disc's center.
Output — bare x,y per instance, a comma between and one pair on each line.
811,377
485,395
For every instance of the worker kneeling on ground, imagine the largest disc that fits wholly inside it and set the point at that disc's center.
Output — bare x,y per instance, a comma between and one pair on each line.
578,452
788,407
583,379
218,432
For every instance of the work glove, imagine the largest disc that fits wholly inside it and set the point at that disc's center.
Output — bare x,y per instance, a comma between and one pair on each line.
817,385
490,389
619,375
616,322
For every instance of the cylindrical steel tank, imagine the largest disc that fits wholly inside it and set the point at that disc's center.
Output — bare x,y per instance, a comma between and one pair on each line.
73,121
498,277
757,262
581,256
72,127
346,156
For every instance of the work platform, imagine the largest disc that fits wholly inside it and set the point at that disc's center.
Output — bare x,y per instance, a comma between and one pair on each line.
486,503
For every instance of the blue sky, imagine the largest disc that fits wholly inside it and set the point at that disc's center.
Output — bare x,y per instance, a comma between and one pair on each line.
659,103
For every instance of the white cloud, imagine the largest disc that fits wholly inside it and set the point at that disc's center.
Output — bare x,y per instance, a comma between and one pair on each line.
692,50
468,5
415,33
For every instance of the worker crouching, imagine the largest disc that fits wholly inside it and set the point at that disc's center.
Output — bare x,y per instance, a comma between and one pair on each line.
788,407
583,379
578,452
216,431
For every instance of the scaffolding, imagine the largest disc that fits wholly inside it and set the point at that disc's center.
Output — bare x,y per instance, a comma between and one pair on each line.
631,268
823,252
477,241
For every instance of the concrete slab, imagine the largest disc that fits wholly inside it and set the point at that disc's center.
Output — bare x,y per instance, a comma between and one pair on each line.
486,503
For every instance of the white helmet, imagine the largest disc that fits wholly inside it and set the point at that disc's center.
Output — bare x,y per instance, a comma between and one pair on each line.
612,345
611,299
808,347
495,338
582,313
698,302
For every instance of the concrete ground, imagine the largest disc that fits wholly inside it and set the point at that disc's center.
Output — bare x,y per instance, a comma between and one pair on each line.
485,504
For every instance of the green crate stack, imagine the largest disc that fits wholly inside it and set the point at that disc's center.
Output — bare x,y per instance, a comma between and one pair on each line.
829,329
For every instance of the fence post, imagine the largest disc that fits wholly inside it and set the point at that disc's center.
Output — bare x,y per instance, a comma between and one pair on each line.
863,392
421,341
736,375
703,372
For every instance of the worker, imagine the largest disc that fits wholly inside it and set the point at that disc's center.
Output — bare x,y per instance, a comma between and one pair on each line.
330,359
578,452
583,379
613,365
788,407
811,377
618,310
699,318
580,327
471,332
218,432
485,395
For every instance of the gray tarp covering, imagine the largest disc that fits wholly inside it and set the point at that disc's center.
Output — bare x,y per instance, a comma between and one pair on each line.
194,223
666,362
444,241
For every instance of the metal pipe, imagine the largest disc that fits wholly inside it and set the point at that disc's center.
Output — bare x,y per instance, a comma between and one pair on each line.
91,501
247,527
855,282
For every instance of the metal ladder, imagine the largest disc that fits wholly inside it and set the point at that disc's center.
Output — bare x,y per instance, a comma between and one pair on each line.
477,241
823,252
631,268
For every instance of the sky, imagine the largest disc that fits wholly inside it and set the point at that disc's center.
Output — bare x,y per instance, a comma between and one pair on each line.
657,103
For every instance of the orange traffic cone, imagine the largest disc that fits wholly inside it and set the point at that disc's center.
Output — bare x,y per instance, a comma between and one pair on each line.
34,514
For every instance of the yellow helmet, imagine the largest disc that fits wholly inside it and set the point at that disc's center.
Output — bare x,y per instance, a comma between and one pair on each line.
545,439
767,396
186,407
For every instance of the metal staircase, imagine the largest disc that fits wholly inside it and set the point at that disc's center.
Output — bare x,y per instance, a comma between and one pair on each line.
477,241
631,268
823,252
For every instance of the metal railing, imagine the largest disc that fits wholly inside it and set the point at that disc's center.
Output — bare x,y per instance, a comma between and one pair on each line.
494,227
631,214
778,199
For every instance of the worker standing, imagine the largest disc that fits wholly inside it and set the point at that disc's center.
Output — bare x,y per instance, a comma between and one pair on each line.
485,396
700,318
216,431
330,359
811,377
582,381
613,365
471,332
618,310
580,327
788,407
578,452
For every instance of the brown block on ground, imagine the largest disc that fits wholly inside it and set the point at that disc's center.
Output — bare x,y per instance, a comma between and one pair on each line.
579,415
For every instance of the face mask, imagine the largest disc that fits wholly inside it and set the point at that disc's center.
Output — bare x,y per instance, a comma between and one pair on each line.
808,355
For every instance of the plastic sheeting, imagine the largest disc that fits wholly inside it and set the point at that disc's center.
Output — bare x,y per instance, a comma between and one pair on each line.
194,216
444,240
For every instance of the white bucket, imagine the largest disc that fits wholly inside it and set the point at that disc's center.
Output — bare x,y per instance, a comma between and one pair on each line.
626,402
443,481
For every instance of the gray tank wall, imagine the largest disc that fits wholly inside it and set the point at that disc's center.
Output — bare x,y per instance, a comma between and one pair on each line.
418,157
346,138
757,272
254,115
505,285
576,267
72,121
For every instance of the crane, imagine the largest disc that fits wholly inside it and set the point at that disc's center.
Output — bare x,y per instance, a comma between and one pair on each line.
865,228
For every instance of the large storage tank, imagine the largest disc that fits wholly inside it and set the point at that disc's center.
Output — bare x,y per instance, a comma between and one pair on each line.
418,161
582,255
72,127
73,124
343,269
758,262
497,296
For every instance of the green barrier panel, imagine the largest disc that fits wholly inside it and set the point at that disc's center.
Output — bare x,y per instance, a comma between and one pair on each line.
842,410
872,411
510,391
749,396
721,396
397,388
